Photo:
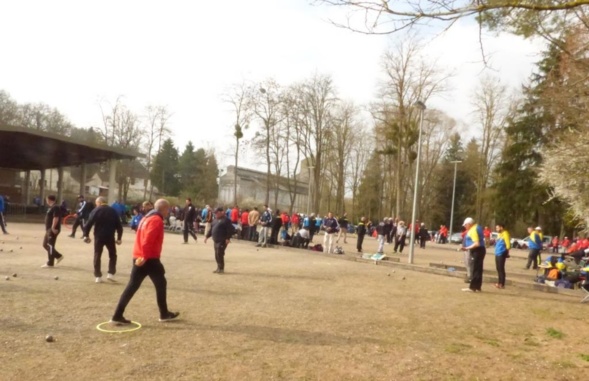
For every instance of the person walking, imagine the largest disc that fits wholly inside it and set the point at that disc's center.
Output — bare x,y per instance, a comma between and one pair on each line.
106,223
265,222
474,243
2,209
502,246
343,224
222,231
400,237
82,214
361,232
253,219
189,218
535,245
331,227
52,229
146,263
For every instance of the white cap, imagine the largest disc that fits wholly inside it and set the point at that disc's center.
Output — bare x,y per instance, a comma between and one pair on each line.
538,228
468,221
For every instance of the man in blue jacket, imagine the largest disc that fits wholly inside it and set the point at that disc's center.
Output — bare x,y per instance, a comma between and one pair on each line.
535,245
2,208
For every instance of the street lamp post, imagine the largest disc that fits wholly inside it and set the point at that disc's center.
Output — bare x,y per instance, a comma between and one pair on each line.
456,162
421,106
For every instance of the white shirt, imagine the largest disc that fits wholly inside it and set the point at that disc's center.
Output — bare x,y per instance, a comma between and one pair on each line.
304,233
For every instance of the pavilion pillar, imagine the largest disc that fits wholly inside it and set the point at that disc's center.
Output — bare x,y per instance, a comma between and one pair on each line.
112,186
42,187
83,180
59,185
26,194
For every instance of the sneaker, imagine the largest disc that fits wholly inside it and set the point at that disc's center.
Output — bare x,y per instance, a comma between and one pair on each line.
59,260
46,266
110,277
170,316
119,321
98,279
467,290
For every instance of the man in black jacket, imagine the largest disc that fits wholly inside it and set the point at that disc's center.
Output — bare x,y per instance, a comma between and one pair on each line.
361,230
82,214
106,222
189,219
221,231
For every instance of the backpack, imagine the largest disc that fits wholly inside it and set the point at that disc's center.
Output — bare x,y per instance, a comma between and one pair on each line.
317,247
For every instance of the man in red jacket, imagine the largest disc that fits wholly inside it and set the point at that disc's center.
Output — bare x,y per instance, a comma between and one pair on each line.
146,262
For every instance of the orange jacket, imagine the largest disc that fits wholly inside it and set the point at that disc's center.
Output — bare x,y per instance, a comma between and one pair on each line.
150,237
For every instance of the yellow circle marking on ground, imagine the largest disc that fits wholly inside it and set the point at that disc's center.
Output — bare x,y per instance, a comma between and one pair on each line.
135,328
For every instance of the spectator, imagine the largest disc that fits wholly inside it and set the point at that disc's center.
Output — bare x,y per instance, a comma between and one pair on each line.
361,232
137,216
535,245
343,224
474,244
400,237
253,219
502,246
266,223
276,226
555,244
423,236
295,221
245,227
2,221
331,227
381,231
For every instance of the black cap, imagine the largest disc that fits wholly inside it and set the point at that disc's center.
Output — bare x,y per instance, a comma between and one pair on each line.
219,209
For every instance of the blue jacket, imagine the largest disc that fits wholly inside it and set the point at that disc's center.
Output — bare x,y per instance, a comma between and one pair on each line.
306,222
2,207
535,242
266,218
204,214
331,226
135,220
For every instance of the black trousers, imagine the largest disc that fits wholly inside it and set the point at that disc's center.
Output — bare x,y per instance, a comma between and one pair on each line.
188,229
49,245
274,235
220,254
245,231
78,222
478,258
533,258
400,244
99,245
2,223
500,265
422,241
359,242
153,269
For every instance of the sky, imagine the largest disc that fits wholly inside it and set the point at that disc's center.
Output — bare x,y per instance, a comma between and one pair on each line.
73,54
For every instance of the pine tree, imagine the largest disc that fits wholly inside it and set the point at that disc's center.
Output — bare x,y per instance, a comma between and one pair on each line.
164,174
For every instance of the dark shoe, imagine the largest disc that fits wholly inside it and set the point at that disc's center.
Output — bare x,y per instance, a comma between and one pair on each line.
119,321
218,271
72,236
170,316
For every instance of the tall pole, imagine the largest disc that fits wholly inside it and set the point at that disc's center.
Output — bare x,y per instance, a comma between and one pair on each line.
309,193
421,106
453,197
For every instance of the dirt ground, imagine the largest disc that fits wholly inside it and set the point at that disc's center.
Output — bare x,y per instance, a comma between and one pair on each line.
277,314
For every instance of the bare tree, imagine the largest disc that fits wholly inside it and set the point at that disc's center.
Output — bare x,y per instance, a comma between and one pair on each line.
492,108
385,17
318,98
344,134
408,79
362,147
156,131
266,105
121,129
239,97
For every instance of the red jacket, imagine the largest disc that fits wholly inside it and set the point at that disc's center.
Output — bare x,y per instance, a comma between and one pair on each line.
150,237
295,219
234,215
245,218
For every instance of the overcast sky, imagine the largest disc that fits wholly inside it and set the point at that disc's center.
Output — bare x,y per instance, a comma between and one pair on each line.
184,54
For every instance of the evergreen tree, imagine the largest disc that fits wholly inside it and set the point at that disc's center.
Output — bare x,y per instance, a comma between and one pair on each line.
188,168
164,174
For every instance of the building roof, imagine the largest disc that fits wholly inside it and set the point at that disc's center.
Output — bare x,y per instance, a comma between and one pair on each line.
28,149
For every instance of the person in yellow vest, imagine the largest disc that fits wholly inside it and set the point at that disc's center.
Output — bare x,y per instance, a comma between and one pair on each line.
535,245
474,243
502,246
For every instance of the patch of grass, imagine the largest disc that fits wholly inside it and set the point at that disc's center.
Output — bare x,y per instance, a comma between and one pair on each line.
492,342
457,347
554,333
531,342
584,356
564,364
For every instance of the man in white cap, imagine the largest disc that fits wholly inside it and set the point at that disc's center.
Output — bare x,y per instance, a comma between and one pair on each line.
474,244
